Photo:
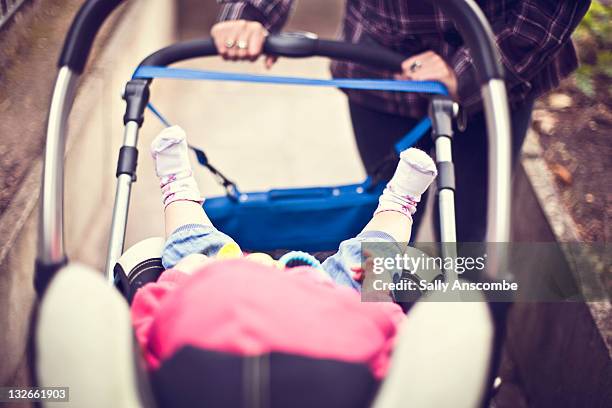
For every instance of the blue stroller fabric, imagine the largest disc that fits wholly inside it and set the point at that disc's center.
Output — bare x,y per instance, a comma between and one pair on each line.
308,219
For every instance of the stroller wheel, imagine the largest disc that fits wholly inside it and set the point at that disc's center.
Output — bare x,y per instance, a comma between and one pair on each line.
139,265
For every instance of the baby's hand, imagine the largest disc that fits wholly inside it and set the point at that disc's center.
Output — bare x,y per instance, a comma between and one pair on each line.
192,263
359,270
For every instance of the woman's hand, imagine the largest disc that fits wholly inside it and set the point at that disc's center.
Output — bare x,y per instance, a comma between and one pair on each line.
240,40
429,66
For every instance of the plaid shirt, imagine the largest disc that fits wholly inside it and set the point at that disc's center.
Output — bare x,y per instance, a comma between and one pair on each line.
533,37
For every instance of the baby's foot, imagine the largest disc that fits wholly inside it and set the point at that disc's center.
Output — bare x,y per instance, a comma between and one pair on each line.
171,154
415,172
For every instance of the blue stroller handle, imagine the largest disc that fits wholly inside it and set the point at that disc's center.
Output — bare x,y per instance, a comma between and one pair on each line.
424,87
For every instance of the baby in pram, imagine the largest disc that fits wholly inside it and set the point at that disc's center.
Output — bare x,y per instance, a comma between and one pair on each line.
292,332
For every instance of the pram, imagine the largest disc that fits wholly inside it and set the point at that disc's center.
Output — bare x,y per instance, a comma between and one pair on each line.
57,280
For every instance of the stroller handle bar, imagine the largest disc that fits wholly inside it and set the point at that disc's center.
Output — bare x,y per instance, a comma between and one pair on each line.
291,45
466,14
83,31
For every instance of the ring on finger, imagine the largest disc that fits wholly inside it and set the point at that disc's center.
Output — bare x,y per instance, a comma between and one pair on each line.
415,66
229,43
242,44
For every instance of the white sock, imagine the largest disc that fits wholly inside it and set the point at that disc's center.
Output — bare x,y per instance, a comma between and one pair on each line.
171,155
415,172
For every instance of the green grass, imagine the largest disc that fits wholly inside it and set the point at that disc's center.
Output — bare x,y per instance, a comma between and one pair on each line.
594,41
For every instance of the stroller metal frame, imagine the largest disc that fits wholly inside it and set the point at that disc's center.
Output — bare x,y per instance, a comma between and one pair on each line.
471,23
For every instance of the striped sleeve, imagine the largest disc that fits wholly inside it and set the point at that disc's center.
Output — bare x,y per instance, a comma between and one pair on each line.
272,14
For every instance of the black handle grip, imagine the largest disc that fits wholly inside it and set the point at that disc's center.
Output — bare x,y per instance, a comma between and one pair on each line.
477,35
286,45
83,31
